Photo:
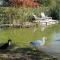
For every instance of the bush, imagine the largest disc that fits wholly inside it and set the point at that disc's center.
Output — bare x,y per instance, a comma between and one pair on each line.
43,2
54,13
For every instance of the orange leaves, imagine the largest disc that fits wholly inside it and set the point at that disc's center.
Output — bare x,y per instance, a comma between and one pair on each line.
26,3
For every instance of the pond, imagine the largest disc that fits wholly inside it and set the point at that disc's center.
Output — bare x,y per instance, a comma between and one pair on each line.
54,47
23,37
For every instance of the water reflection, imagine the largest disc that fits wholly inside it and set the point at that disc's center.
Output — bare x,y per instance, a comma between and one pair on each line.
55,40
54,47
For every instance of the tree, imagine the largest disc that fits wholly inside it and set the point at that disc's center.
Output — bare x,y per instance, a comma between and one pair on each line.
55,13
44,2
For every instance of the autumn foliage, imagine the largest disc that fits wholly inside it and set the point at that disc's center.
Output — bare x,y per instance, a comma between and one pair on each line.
24,3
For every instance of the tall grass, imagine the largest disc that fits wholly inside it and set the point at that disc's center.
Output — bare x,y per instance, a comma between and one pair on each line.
22,14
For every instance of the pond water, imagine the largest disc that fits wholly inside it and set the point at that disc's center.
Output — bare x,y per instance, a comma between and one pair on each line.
54,46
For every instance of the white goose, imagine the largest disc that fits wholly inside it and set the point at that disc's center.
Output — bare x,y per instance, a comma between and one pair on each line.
39,43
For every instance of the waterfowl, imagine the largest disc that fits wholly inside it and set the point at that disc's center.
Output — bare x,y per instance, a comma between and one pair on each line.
38,43
6,45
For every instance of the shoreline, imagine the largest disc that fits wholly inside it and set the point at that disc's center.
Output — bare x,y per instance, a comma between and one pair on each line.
25,54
